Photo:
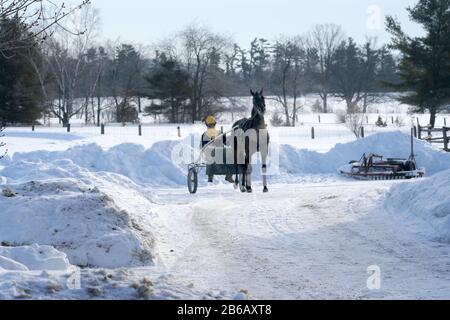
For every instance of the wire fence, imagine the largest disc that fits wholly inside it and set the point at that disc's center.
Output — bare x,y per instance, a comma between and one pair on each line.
314,127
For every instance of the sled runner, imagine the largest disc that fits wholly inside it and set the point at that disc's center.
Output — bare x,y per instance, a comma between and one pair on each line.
374,167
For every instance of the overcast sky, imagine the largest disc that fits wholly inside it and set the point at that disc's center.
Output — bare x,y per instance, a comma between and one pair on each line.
147,21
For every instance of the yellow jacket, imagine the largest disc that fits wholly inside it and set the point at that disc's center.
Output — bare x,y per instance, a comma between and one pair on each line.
210,135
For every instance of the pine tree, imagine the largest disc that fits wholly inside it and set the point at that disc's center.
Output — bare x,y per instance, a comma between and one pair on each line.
424,69
20,96
244,66
259,61
124,76
170,83
353,72
347,74
370,63
387,70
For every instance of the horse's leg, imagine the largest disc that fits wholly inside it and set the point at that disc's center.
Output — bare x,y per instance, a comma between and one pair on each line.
236,164
249,178
264,170
236,182
244,175
243,181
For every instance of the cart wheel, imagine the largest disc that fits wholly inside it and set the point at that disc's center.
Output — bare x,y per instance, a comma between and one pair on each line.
192,181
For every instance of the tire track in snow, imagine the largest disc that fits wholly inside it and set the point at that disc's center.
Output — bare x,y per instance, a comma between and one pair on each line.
301,242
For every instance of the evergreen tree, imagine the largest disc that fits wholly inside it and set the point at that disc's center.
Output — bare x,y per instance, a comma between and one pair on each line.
244,65
370,62
231,61
354,72
169,83
124,76
424,69
347,74
387,70
20,96
259,62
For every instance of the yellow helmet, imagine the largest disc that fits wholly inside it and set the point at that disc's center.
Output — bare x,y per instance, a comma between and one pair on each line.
210,121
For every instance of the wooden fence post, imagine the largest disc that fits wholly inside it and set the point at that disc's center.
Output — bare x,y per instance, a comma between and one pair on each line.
179,132
313,133
68,127
415,132
32,128
367,119
444,132
320,120
102,129
221,130
419,129
392,119
363,133
140,130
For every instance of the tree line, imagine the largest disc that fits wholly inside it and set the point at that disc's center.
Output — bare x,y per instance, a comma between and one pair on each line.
198,72
24,26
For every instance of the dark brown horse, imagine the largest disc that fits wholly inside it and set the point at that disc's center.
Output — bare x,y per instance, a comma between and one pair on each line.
252,133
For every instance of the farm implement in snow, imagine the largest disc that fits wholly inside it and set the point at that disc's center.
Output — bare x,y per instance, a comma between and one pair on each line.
375,167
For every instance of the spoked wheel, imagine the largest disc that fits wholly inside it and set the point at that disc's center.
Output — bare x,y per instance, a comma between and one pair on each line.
192,180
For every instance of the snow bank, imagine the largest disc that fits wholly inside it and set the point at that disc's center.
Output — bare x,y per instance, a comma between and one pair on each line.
155,166
33,258
390,145
76,219
424,205
6,160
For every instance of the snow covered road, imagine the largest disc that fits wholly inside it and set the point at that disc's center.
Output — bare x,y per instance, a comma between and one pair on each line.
298,242
124,216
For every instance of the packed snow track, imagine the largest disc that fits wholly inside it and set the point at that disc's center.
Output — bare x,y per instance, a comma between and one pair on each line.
299,242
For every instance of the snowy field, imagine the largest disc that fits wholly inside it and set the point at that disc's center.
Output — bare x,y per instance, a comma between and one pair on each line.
85,215
327,133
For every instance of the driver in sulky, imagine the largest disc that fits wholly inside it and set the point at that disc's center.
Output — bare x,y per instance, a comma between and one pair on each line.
210,135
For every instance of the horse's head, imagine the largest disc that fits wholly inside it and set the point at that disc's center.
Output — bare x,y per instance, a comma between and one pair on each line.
259,102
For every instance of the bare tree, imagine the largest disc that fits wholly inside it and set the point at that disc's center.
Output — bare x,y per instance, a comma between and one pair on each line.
325,39
38,17
234,107
92,84
97,87
354,74
124,76
289,69
66,60
201,50
371,58
354,121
